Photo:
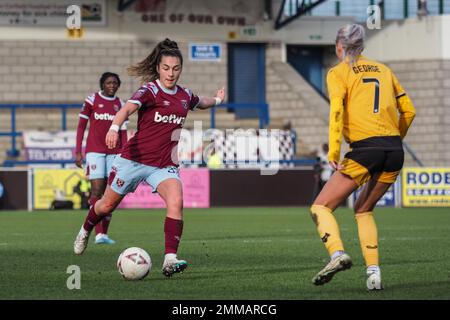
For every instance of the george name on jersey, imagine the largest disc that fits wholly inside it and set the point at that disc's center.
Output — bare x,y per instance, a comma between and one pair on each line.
365,68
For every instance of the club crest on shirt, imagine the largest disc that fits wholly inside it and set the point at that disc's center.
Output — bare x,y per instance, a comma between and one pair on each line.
93,167
120,182
139,93
173,170
184,103
116,107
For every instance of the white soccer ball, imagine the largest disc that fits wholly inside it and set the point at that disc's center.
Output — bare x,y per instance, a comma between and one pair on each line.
134,263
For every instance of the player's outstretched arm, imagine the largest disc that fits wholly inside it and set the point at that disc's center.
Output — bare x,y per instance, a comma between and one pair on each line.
207,102
113,134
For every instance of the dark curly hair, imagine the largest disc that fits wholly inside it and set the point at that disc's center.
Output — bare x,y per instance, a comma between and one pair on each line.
146,69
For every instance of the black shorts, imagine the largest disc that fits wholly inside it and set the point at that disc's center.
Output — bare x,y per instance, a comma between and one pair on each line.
365,161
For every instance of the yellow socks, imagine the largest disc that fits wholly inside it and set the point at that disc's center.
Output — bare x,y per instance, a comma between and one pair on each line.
368,237
329,233
327,227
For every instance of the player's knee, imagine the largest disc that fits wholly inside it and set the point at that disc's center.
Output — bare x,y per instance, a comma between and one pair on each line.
104,208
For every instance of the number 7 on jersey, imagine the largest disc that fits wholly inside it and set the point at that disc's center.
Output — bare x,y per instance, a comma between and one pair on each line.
376,102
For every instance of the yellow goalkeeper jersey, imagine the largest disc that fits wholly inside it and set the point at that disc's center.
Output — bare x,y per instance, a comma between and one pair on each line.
365,103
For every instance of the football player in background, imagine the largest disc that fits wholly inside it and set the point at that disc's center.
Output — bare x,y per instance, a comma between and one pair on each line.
151,154
373,112
99,110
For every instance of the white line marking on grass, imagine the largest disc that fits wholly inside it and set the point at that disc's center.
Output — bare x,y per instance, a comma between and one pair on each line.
254,241
417,238
416,228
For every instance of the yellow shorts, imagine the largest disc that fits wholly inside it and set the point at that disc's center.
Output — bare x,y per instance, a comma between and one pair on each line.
362,165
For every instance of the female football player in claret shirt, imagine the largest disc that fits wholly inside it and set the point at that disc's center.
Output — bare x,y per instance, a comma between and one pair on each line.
151,154
369,107
99,110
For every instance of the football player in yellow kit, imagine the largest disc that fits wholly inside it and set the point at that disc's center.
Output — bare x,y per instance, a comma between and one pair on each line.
369,107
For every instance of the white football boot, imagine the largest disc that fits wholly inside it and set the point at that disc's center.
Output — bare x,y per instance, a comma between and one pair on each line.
374,279
81,241
172,265
339,263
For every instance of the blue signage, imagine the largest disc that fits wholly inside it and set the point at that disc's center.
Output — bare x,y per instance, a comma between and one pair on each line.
205,52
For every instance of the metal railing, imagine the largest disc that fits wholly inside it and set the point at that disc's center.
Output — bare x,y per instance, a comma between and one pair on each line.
390,9
13,163
13,133
261,108
64,163
412,154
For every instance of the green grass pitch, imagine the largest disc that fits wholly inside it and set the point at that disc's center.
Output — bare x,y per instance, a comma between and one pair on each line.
233,253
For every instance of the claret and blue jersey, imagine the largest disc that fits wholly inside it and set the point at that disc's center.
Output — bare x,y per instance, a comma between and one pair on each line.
161,112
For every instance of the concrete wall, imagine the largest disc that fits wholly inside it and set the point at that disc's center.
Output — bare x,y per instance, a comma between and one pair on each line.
423,69
66,71
129,25
41,66
411,39
427,82
418,51
292,100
